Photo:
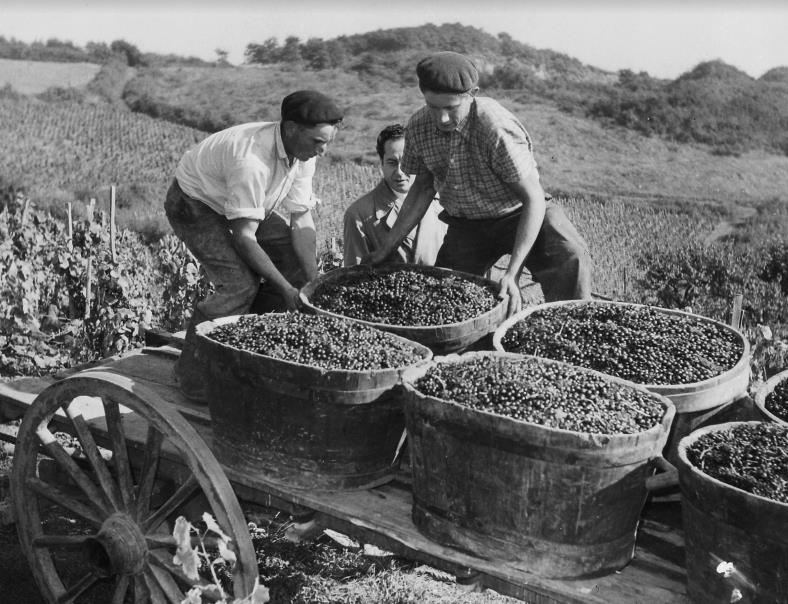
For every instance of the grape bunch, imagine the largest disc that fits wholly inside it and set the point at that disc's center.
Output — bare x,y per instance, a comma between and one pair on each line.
637,343
777,400
550,394
319,341
408,297
751,457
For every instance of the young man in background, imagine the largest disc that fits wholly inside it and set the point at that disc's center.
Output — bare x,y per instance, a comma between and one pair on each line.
369,219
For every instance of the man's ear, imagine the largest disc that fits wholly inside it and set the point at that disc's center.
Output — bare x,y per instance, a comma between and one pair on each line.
474,91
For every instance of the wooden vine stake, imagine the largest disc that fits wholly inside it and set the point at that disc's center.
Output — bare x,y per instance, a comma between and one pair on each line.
112,223
88,284
70,227
24,211
736,313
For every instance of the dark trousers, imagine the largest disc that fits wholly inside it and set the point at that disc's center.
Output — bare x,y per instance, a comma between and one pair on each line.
559,260
237,289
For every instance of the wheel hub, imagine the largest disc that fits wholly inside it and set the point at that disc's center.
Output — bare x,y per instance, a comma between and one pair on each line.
119,548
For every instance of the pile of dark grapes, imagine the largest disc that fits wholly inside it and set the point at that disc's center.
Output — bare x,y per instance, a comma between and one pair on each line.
406,297
550,394
752,457
777,400
637,343
319,341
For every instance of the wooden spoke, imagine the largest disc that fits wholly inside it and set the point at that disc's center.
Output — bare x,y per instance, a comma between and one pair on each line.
60,497
110,489
168,541
141,590
167,583
120,455
85,583
83,481
164,562
150,466
176,500
160,542
121,587
157,595
61,541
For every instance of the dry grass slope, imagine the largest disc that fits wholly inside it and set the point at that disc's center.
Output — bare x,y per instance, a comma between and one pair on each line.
34,77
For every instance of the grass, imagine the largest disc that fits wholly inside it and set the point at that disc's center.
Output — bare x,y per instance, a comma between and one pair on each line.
34,77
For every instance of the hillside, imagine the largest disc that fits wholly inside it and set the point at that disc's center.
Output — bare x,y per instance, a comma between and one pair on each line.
713,104
594,138
35,77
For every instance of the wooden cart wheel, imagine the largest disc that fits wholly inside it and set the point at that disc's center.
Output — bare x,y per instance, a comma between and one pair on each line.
120,498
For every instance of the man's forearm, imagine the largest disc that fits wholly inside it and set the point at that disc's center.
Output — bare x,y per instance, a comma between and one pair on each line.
527,231
256,258
304,239
530,223
414,206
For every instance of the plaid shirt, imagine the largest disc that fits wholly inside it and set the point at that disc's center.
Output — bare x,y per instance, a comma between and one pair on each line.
473,164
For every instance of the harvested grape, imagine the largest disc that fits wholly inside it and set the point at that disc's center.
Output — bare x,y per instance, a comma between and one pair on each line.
319,341
556,395
751,457
406,296
637,343
777,400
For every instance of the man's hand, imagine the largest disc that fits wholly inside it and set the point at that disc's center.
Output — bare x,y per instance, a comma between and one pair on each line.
511,288
291,298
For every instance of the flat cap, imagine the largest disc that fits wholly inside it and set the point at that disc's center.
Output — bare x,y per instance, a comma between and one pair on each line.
447,72
310,107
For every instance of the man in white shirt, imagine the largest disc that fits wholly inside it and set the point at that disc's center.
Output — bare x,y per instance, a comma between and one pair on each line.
241,201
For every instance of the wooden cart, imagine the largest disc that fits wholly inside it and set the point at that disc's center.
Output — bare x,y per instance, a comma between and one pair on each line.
137,432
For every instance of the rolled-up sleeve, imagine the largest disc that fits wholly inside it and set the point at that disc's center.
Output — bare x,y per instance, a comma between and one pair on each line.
412,161
299,198
247,181
512,153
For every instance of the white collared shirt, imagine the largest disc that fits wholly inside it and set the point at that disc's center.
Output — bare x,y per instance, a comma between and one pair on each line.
244,172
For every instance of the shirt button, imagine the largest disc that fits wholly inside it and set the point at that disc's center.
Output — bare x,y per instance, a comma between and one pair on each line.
451,161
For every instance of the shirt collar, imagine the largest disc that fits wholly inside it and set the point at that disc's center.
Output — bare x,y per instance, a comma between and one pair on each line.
280,145
384,199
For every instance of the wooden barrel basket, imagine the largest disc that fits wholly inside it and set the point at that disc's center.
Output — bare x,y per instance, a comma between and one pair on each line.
725,524
558,503
765,390
292,423
695,402
441,339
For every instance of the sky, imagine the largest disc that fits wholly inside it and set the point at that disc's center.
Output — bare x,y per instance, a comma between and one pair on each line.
662,37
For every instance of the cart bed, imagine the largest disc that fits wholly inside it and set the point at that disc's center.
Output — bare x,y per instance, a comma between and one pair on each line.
382,515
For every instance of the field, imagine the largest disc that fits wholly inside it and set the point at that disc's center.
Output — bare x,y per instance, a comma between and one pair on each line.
33,77
628,194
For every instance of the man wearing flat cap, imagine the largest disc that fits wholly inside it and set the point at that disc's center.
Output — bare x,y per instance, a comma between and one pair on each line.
242,202
480,160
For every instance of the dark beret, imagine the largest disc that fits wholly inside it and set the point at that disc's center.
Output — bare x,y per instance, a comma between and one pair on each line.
310,107
447,72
